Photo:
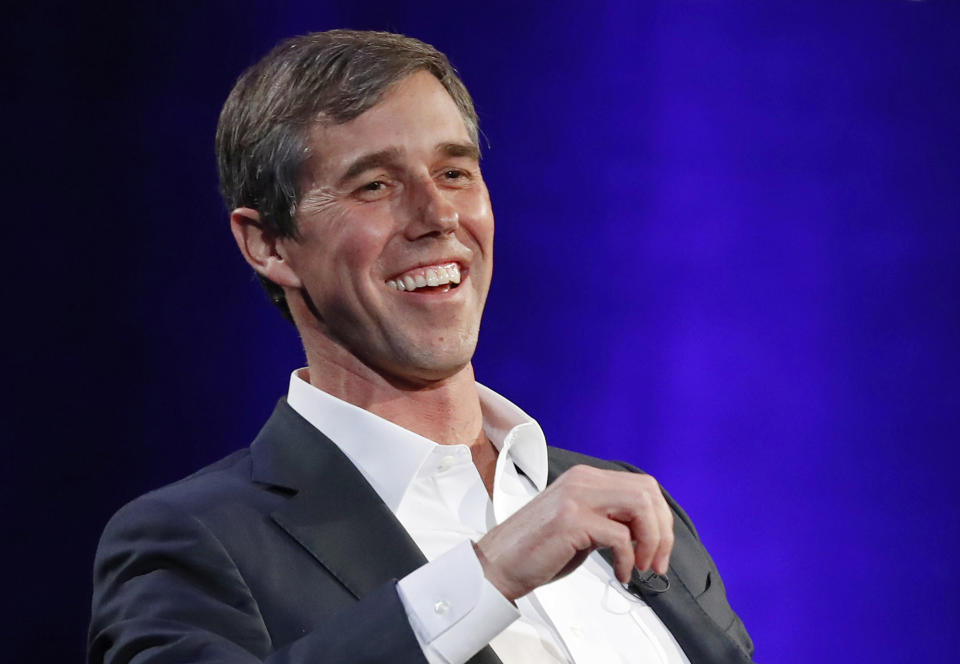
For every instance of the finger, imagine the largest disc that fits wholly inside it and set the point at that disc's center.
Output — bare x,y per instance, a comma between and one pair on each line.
617,537
645,527
661,558
629,498
633,499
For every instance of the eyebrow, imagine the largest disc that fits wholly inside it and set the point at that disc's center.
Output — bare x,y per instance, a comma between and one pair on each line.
388,156
468,150
368,161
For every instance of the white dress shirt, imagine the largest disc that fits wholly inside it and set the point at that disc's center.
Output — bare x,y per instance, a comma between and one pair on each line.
439,497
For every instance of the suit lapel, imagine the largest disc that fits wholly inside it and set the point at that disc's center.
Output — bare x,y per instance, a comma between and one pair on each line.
335,514
699,635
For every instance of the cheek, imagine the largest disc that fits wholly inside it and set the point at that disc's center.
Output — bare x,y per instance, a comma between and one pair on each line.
481,228
361,247
477,216
345,240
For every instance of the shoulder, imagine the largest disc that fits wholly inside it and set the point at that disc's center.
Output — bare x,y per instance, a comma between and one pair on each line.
202,490
212,500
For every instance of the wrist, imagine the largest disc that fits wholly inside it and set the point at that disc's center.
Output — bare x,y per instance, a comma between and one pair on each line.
493,575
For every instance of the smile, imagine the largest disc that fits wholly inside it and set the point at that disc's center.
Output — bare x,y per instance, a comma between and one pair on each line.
445,276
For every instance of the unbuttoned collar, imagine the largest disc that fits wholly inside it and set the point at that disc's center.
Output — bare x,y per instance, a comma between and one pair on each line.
389,456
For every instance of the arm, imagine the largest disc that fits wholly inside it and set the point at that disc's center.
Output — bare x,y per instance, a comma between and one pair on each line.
166,590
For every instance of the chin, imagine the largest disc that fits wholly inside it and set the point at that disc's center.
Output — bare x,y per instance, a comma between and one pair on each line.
429,363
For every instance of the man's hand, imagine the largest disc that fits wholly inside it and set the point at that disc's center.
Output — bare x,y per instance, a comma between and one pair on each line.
585,509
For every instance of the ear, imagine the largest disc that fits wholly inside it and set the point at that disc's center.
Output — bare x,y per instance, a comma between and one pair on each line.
260,247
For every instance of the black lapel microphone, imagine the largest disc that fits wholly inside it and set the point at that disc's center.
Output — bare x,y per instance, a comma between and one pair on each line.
647,583
641,583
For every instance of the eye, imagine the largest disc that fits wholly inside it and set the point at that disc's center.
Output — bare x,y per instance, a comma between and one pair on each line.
456,177
373,190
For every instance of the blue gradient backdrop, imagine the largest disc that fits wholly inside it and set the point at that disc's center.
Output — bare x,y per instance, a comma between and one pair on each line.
727,251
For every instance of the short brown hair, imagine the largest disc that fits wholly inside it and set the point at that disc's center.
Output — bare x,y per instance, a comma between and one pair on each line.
261,140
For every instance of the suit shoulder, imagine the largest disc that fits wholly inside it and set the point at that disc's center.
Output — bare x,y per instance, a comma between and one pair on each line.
208,484
208,490
568,458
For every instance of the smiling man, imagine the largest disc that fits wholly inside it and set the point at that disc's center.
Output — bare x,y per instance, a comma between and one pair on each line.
392,509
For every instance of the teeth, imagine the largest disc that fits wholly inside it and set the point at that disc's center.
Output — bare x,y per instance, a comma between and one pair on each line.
435,275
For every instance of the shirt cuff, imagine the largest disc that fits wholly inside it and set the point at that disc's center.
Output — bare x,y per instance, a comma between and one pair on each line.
452,607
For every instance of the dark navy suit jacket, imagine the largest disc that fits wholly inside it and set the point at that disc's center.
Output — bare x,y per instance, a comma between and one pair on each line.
282,552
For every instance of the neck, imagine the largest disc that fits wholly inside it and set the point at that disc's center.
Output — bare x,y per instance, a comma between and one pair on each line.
446,411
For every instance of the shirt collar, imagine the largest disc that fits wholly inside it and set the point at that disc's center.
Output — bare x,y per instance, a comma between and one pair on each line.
389,456
515,434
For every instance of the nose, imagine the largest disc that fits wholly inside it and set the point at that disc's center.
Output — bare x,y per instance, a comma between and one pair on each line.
432,211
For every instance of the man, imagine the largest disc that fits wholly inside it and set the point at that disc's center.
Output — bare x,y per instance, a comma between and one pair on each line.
391,509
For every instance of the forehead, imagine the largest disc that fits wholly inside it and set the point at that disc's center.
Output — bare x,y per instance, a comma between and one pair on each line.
415,117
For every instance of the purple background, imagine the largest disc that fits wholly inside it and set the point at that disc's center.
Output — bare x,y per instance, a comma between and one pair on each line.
727,251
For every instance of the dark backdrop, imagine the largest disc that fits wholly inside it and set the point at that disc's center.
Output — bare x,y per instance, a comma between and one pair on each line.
727,251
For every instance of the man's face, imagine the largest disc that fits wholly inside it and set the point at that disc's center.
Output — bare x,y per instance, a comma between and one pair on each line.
396,235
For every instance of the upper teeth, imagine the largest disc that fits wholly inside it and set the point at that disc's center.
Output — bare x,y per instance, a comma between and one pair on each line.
435,275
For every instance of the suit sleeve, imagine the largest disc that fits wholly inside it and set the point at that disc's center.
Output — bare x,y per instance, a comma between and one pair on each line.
166,590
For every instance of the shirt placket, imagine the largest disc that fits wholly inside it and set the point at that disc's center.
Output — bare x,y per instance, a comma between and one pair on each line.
510,494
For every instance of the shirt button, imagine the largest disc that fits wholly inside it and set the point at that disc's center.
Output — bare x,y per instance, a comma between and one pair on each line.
445,463
441,607
577,631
